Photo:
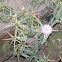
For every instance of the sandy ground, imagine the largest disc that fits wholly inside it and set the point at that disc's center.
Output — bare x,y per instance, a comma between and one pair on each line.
18,4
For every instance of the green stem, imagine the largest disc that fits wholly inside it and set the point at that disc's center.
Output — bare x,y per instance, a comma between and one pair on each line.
18,57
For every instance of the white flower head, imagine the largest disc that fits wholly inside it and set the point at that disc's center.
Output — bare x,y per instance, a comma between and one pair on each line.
23,8
46,29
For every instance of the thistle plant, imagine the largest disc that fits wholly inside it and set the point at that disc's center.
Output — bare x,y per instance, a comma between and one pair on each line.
27,25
